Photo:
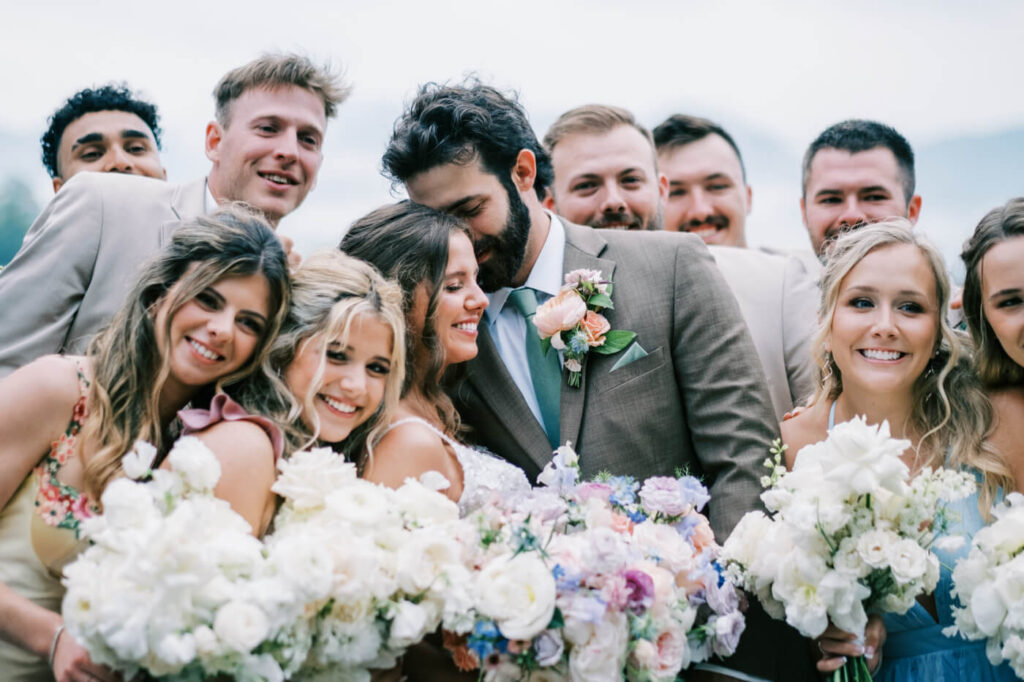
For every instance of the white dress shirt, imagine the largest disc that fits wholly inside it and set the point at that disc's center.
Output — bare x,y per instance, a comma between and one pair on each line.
508,328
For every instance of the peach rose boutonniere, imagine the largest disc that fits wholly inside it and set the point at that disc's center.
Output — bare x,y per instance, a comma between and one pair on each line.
572,322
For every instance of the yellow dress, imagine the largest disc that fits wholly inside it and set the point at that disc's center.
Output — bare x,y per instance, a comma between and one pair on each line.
38,537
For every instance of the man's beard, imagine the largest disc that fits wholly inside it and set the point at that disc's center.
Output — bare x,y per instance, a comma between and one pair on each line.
507,249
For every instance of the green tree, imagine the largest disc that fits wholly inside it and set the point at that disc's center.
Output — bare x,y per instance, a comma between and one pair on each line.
17,211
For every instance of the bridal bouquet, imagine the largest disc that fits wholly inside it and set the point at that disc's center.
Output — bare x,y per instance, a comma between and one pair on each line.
850,533
378,569
603,580
990,584
173,585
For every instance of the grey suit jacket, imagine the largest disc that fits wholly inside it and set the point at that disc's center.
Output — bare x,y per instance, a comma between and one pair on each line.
698,401
80,258
778,298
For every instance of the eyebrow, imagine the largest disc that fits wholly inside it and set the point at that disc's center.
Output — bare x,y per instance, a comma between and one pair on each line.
872,188
718,176
89,138
902,292
1010,291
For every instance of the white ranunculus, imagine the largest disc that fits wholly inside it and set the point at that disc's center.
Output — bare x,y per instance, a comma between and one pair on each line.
308,476
518,593
195,463
907,561
873,547
240,626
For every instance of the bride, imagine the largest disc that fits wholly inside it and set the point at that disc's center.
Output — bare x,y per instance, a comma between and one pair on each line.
431,257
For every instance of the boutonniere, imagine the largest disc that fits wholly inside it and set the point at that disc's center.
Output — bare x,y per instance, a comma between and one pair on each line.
572,321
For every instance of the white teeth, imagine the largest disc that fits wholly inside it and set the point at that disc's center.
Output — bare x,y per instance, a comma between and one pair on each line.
277,178
340,407
466,326
202,350
875,354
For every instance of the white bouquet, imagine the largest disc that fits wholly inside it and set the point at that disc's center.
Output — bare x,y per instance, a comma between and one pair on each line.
373,569
171,585
603,580
990,583
850,533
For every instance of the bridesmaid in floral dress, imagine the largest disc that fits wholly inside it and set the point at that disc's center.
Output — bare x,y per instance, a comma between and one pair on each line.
201,315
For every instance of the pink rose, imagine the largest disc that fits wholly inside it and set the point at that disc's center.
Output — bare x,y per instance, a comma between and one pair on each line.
703,537
595,326
561,313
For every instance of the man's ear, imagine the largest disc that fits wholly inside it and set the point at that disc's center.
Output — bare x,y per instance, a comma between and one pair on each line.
750,199
58,183
663,187
548,201
914,209
524,172
214,134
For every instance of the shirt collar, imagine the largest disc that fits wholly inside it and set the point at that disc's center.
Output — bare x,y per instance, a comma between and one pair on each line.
546,275
209,203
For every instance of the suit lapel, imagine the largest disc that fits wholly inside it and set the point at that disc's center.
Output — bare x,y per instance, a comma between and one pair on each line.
583,245
490,378
187,201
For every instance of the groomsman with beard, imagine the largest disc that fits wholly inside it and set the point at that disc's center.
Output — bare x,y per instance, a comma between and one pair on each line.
607,175
80,256
688,394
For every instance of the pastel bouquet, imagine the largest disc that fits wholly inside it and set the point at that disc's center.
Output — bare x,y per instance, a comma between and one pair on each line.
174,584
603,580
377,569
989,582
572,322
850,533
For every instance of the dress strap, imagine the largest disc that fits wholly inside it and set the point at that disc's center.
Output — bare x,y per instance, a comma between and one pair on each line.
420,420
832,415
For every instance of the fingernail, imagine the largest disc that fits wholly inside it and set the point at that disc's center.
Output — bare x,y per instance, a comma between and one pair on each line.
869,652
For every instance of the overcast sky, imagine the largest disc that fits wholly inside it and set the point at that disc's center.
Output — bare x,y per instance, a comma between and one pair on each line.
934,69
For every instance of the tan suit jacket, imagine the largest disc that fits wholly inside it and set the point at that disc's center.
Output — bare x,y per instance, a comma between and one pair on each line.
697,401
779,301
80,258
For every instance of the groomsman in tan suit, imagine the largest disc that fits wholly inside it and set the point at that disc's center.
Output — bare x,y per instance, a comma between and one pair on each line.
687,394
83,251
607,175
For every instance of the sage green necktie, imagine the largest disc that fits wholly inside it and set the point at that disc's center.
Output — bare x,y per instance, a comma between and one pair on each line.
545,370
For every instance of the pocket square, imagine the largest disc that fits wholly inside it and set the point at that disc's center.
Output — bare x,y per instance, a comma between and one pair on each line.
631,354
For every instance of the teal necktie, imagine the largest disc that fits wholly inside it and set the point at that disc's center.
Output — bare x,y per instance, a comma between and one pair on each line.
545,370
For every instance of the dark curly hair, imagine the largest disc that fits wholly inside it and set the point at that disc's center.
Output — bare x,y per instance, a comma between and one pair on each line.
111,97
460,123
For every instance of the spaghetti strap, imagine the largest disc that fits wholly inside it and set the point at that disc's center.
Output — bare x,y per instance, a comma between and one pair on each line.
832,415
420,420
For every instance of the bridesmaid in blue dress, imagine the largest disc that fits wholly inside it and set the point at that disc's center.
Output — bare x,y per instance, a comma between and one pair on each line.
887,352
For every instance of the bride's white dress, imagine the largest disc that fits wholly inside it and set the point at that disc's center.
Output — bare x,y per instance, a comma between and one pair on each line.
483,474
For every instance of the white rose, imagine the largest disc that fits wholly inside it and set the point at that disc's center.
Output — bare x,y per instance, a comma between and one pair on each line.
175,650
195,463
367,506
128,505
241,626
422,505
518,593
907,560
425,558
873,547
861,458
409,624
308,476
601,657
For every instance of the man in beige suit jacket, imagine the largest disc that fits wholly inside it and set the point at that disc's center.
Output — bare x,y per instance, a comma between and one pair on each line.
606,176
81,255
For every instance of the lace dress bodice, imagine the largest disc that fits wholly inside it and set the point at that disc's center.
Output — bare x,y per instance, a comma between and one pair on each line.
483,474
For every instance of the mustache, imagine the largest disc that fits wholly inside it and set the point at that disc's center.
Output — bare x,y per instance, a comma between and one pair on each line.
630,220
719,222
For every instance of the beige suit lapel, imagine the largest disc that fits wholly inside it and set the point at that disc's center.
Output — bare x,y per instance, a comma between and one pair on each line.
583,245
494,385
187,201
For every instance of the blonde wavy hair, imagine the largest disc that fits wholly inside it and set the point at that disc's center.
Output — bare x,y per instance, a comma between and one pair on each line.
950,408
128,373
329,292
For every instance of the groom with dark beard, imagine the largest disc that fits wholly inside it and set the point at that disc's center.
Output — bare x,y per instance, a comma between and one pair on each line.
689,394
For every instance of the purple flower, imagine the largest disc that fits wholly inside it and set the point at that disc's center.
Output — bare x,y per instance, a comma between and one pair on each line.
722,598
662,495
548,648
585,609
641,591
728,629
599,491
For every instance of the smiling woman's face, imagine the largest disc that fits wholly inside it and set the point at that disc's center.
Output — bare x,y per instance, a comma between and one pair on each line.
1002,295
353,381
885,327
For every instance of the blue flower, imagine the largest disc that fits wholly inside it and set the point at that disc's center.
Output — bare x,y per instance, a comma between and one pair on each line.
485,636
693,492
564,581
578,344
623,490
636,516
